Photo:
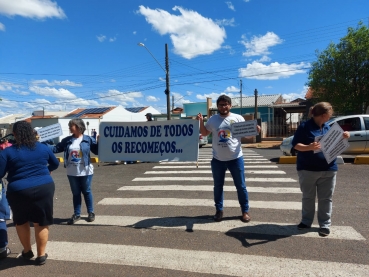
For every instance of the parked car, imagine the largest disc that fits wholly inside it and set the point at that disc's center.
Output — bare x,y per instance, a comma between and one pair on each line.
357,125
203,140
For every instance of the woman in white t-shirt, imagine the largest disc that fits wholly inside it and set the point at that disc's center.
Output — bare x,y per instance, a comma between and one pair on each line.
77,148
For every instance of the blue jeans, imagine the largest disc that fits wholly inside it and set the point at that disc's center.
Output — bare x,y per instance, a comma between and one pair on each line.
321,184
78,185
237,169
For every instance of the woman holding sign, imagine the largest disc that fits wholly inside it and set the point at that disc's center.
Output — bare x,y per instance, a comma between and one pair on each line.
316,176
77,148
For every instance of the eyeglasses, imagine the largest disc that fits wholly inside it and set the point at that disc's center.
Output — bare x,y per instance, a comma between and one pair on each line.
223,105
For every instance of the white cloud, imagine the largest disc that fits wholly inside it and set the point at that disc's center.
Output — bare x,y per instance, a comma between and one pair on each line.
264,59
259,45
152,99
273,71
230,5
225,22
134,32
294,95
123,98
53,92
101,38
246,1
2,27
162,79
39,9
6,86
228,47
112,39
231,89
269,87
55,83
191,33
214,96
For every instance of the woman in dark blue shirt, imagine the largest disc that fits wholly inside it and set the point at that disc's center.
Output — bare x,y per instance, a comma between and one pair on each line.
30,188
316,176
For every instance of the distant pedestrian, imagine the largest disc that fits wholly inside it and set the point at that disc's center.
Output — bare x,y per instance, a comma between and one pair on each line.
227,154
149,117
94,134
30,189
4,215
316,176
80,170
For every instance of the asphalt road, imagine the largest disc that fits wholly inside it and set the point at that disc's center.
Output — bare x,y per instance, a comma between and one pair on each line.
156,233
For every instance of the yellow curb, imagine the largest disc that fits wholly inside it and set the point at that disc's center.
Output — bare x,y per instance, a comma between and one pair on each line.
287,159
60,159
361,160
94,160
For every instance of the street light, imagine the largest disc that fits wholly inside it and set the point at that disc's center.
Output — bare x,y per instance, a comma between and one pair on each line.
166,70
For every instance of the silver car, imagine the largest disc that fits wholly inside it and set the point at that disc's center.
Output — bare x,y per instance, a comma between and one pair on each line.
203,140
357,125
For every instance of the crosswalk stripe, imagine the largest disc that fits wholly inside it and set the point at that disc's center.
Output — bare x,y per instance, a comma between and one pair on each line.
236,226
275,205
245,159
197,179
208,188
209,172
208,166
197,261
208,162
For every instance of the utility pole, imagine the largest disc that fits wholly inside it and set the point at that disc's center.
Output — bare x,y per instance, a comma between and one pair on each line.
241,96
167,91
256,104
172,102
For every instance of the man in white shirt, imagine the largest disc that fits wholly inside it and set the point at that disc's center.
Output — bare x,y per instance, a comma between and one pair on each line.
227,154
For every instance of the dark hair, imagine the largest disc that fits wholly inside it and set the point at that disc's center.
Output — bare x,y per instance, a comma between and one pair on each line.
79,123
224,98
24,134
322,108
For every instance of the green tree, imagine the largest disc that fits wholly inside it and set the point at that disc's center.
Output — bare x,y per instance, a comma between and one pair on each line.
340,75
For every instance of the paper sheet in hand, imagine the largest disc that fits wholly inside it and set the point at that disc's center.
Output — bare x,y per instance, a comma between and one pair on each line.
333,143
244,129
50,132
317,139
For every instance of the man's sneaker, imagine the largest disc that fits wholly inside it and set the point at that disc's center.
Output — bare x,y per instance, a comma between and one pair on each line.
218,216
73,219
324,232
27,256
91,217
302,226
5,253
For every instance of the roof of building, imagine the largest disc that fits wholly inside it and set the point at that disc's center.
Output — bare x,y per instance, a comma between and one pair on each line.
89,113
136,109
9,119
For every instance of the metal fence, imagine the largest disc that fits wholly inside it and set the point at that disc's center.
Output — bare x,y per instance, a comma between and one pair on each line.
280,128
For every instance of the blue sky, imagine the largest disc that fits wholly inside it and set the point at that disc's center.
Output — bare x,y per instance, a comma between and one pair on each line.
61,55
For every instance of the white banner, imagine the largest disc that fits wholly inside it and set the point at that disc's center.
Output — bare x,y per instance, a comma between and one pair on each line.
50,132
174,140
245,129
333,143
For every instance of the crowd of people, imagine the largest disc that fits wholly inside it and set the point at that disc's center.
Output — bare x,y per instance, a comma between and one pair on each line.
28,165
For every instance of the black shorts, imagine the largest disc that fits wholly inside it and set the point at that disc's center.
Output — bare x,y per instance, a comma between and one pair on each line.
33,204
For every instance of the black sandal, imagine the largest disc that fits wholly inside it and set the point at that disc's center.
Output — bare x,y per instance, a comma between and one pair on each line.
41,260
29,255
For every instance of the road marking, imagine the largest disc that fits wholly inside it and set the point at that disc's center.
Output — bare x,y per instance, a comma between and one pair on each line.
197,179
208,162
208,166
209,172
234,226
275,205
245,159
208,188
197,261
